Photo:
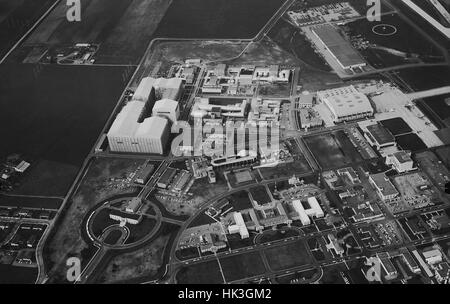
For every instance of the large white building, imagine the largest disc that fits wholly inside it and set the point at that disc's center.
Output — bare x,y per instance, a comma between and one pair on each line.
167,108
128,134
346,103
239,226
314,210
169,88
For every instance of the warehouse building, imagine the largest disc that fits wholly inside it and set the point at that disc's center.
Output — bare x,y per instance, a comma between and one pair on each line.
346,103
166,178
167,108
339,48
131,133
379,136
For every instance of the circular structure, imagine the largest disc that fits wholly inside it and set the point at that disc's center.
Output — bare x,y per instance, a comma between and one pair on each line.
384,29
112,225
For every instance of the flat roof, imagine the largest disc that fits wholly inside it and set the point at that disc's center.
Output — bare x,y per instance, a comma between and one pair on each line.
384,184
403,156
167,175
165,105
380,134
127,123
346,101
341,48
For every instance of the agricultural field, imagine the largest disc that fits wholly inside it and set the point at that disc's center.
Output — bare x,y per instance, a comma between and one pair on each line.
220,19
69,105
17,17
30,202
122,28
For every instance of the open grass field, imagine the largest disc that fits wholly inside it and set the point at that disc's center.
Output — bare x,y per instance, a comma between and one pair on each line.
398,48
203,273
287,256
242,266
216,19
299,167
332,150
93,189
260,195
291,39
53,115
17,17
123,28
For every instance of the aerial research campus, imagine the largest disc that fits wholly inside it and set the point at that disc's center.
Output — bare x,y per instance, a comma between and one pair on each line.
275,141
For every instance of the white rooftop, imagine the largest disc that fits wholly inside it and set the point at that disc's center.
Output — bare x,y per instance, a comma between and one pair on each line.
126,123
346,101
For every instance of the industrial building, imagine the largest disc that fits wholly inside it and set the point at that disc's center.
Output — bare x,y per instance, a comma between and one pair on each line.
144,174
388,267
340,49
166,178
384,187
220,107
401,161
133,205
379,136
167,108
346,103
243,158
130,133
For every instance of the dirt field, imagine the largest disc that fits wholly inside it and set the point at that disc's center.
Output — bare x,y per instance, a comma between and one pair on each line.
144,262
94,188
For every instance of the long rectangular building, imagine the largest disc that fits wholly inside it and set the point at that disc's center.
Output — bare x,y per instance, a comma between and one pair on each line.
339,48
